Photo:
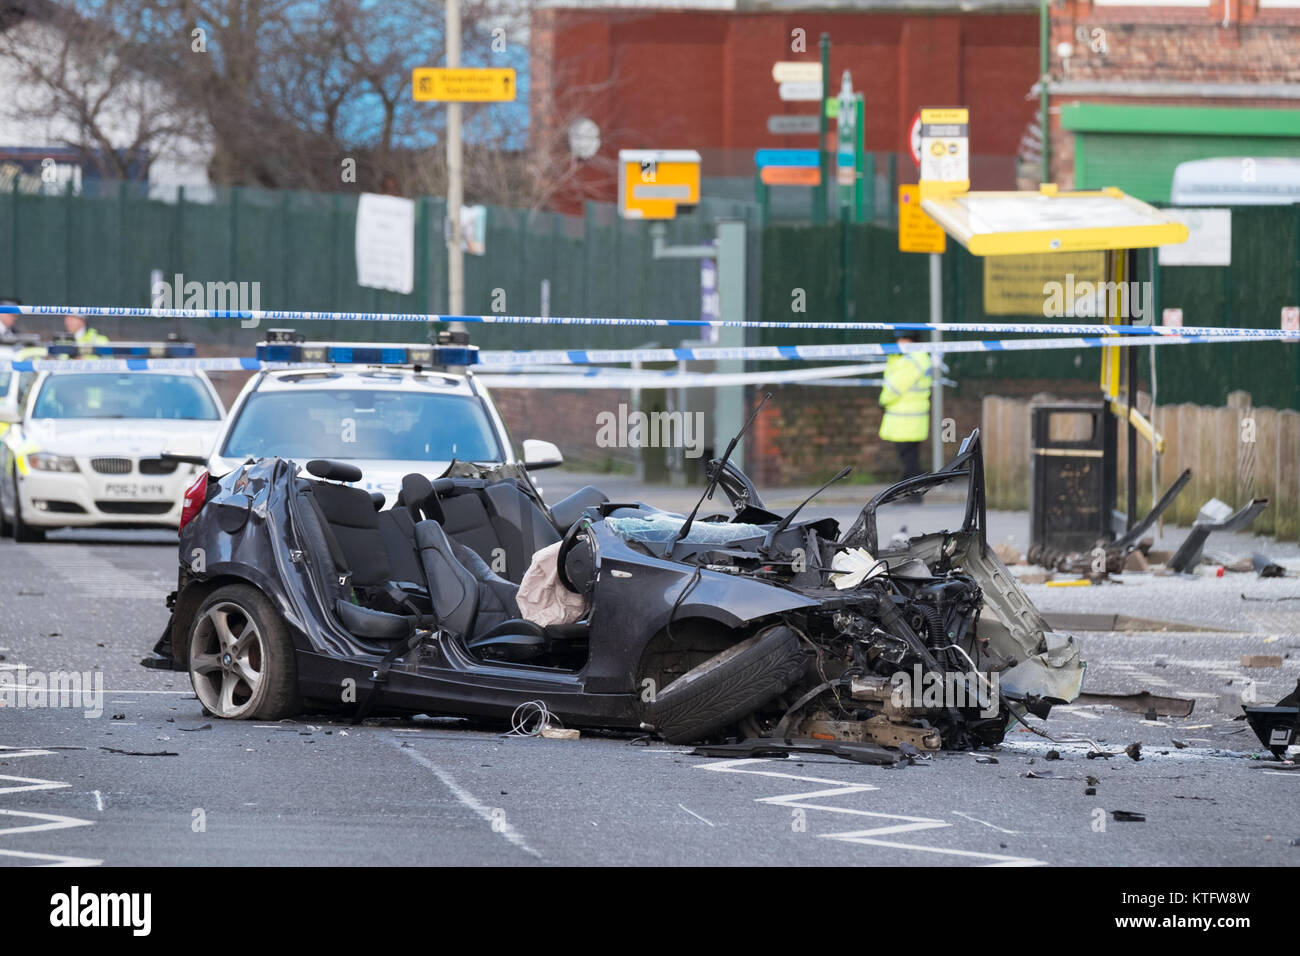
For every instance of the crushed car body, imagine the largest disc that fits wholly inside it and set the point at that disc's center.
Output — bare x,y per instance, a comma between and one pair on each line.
295,593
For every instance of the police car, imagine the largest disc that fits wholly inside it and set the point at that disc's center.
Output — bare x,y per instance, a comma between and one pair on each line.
389,409
89,447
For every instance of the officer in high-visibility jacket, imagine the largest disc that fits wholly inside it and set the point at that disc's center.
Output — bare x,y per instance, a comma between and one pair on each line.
905,396
82,334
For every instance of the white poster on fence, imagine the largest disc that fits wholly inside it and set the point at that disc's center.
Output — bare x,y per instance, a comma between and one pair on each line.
1209,238
386,243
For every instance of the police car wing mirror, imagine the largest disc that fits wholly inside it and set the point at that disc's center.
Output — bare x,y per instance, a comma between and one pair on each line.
10,415
541,454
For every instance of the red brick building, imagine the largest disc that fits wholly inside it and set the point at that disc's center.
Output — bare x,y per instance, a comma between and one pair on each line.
1147,85
702,79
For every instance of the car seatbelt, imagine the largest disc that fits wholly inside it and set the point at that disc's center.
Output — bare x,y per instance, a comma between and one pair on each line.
343,573
379,676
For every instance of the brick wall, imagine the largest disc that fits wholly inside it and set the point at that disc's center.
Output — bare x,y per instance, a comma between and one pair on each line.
805,434
1179,44
567,418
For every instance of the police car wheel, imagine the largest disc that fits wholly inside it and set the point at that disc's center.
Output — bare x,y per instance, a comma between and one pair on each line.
22,530
242,661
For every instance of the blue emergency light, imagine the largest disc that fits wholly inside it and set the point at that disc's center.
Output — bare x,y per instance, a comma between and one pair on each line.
124,350
360,353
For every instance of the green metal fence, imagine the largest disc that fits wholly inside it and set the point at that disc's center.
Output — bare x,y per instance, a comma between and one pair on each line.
101,248
856,273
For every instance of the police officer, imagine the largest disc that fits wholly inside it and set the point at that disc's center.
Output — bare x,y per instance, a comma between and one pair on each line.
905,396
82,334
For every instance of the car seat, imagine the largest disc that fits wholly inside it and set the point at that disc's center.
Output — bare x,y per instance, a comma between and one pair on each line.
480,609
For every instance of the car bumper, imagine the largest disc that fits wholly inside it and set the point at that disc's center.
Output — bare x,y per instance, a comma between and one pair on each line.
79,500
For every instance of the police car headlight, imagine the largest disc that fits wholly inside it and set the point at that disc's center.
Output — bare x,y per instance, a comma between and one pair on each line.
44,461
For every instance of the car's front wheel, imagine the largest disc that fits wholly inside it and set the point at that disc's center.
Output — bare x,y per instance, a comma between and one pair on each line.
242,662
728,686
22,530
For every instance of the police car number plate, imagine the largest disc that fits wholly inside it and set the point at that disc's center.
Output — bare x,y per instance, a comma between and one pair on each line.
135,489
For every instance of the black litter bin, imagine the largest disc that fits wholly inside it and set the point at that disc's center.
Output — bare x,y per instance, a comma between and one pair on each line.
1072,482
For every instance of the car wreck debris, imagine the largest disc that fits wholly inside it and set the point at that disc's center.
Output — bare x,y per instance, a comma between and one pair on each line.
756,625
1277,727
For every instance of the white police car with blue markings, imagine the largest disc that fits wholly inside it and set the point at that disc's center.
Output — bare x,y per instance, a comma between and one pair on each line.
391,410
89,446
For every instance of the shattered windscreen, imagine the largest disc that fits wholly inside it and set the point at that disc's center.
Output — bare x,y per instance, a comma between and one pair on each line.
662,527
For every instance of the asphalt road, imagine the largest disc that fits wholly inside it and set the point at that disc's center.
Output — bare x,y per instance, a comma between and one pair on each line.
445,792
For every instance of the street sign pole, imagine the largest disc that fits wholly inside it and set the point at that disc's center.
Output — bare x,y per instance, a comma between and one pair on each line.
455,182
936,378
819,191
859,165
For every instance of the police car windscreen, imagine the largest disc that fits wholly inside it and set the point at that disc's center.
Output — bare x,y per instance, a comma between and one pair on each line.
124,395
362,424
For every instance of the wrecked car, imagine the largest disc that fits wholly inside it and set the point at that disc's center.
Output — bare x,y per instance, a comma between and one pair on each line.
295,593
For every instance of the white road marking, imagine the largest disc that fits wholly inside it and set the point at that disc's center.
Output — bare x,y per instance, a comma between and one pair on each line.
500,826
31,783
50,821
991,826
99,801
868,837
53,822
52,859
10,752
694,814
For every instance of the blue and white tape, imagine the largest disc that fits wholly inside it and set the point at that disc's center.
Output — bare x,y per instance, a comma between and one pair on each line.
493,362
994,328
671,378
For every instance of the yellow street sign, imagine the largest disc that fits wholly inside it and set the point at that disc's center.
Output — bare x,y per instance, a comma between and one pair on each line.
653,183
463,84
917,232
959,116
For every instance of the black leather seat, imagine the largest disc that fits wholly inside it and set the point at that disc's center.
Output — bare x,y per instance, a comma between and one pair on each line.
497,521
350,536
480,607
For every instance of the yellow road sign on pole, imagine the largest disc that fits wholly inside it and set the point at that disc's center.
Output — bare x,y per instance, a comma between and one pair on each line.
917,232
463,84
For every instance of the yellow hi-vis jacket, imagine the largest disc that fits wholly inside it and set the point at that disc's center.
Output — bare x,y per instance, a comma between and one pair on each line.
906,398
89,336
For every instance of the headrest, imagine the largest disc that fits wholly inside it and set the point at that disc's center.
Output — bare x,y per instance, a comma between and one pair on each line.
333,470
420,499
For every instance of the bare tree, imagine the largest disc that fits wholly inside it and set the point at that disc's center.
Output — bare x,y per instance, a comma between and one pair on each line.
75,83
283,91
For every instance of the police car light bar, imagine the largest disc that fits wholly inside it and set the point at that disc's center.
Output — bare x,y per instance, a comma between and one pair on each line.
364,353
124,350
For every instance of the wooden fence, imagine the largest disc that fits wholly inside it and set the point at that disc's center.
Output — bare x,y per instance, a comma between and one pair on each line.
1236,453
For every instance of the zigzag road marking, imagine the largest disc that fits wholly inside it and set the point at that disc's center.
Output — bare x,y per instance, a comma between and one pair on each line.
868,837
48,821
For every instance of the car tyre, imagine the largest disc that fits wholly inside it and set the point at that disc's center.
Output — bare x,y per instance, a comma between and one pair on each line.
22,531
728,686
241,659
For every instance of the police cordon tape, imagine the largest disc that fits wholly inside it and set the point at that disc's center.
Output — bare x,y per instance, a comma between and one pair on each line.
277,315
499,363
